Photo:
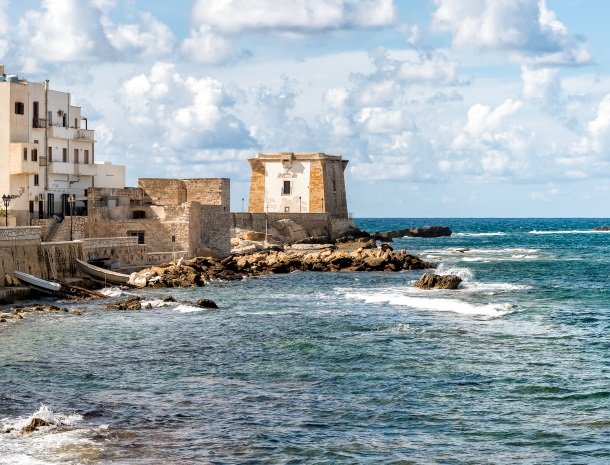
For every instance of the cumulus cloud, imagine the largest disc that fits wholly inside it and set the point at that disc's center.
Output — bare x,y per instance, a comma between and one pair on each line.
189,112
205,47
292,15
150,38
597,139
64,31
542,85
73,31
526,27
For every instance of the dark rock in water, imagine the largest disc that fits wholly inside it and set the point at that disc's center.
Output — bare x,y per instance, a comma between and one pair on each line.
426,231
386,247
435,281
602,228
132,303
34,425
206,303
168,298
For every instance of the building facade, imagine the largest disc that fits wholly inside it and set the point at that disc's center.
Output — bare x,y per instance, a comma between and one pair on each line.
288,182
169,217
47,152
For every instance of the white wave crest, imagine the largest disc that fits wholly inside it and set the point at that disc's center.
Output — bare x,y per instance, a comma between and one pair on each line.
43,413
569,231
184,308
483,234
446,269
112,291
491,310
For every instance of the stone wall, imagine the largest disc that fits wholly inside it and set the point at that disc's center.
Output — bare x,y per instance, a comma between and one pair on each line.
316,186
256,200
214,236
163,191
335,200
119,251
21,249
209,191
316,224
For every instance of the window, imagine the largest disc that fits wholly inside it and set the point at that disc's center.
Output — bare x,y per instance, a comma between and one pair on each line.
286,209
35,179
25,154
138,234
64,155
286,188
50,154
34,154
19,108
86,161
138,214
75,155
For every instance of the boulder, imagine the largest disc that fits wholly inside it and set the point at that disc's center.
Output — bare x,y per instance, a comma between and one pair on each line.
206,303
435,281
602,228
34,424
131,303
287,230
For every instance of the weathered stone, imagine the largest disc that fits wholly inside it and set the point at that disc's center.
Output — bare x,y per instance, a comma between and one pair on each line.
34,424
435,281
206,303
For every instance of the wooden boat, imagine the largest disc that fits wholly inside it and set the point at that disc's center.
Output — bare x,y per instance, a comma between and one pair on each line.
102,274
39,284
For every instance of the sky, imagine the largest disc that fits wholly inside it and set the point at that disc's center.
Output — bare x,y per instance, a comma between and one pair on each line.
444,108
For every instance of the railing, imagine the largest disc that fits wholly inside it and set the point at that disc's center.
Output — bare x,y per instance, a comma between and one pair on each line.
83,134
39,123
42,161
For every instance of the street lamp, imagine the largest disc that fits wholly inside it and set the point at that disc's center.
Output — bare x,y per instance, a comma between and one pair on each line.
242,205
71,200
300,209
6,199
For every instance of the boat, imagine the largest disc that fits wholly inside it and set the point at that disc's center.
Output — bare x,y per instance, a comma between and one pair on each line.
39,284
102,274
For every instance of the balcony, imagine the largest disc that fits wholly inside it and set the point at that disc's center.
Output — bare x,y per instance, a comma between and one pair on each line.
17,164
59,132
58,167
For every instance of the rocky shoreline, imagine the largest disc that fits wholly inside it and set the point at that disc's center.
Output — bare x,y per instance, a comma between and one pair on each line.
355,256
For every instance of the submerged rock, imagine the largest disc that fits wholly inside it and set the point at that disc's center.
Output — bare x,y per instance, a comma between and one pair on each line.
602,228
34,424
206,303
132,303
435,281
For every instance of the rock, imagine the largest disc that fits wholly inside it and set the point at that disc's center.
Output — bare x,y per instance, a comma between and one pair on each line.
206,303
435,281
427,231
602,228
168,298
287,230
132,303
138,280
34,425
253,236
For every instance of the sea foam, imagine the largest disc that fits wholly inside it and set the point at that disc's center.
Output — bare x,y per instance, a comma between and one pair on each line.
490,310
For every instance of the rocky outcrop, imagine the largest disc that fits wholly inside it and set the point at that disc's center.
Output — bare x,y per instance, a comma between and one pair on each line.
131,303
435,281
34,424
602,228
426,231
286,230
195,272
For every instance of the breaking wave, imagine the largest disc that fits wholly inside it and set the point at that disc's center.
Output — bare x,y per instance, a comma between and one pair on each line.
569,231
483,234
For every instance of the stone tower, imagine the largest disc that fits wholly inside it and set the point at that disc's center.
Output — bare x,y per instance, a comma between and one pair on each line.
288,182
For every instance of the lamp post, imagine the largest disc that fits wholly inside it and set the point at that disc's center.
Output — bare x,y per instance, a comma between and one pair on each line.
6,199
71,200
300,209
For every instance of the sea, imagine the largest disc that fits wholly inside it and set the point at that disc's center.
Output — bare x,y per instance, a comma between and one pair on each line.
335,368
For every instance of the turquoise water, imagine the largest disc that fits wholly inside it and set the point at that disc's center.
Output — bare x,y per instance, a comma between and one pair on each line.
337,368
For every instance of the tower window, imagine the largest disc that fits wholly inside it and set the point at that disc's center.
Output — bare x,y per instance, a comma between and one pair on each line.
34,154
286,188
19,108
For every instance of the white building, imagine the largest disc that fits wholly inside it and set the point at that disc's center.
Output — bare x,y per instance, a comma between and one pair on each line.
47,152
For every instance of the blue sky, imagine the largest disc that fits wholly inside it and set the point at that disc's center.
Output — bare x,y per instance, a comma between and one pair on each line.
443,107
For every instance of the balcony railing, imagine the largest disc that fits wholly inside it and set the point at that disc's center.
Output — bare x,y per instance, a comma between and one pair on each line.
39,123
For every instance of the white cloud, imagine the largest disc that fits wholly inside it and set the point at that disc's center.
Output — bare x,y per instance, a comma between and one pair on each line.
383,121
203,46
431,67
542,85
526,27
292,15
188,112
598,139
150,38
63,31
